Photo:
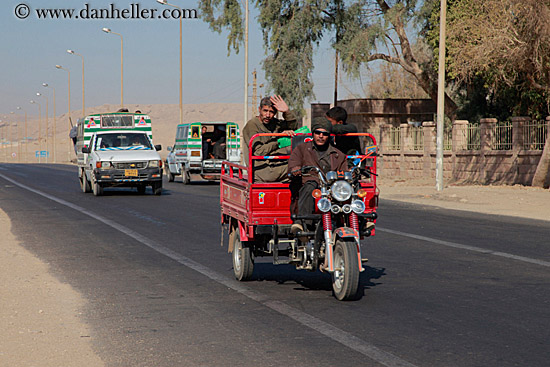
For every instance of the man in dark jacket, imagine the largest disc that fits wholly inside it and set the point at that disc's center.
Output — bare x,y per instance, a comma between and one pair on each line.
319,153
347,144
266,122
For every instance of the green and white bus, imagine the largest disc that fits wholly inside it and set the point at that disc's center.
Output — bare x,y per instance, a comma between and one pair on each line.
192,153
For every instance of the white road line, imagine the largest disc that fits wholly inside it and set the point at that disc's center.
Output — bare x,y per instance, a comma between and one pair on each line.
328,330
466,247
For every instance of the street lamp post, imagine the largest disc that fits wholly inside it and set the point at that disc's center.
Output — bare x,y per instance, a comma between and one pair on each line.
39,119
165,2
46,135
26,141
70,123
108,30
54,121
2,138
10,133
440,99
82,57
246,63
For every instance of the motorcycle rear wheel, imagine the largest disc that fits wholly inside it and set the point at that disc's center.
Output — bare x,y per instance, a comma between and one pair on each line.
345,278
243,262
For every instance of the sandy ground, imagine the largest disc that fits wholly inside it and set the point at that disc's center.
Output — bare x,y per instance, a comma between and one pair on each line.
40,323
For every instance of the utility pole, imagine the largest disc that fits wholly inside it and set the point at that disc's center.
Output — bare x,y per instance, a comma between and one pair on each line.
254,88
336,79
440,99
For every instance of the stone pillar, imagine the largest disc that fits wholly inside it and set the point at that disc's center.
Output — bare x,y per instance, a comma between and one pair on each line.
428,130
405,137
486,139
459,143
518,133
460,135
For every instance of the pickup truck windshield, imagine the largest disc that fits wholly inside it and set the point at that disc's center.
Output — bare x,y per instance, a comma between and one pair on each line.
123,141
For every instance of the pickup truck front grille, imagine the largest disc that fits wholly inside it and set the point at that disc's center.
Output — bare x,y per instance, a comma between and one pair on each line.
130,165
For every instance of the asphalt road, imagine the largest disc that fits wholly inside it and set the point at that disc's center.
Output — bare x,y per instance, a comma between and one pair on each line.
443,288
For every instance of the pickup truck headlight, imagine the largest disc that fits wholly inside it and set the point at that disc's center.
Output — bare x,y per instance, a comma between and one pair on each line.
103,165
155,164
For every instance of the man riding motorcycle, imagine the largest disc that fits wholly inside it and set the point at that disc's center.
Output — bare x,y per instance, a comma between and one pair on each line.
318,153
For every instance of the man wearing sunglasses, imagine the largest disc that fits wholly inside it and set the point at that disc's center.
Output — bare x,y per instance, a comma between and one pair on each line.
266,122
319,153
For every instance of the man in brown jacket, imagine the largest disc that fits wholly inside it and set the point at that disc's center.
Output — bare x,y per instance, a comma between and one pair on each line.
319,153
266,122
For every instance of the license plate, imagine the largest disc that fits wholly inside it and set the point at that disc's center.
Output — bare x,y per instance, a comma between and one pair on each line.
131,172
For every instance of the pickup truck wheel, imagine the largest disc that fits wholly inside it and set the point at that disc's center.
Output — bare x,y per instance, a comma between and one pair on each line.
185,178
85,184
97,188
157,188
141,189
169,174
345,279
243,264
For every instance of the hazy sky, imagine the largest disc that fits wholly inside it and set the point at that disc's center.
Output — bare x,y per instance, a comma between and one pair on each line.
31,48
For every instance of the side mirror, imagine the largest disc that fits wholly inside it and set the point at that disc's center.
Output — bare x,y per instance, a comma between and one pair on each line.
158,147
169,148
86,150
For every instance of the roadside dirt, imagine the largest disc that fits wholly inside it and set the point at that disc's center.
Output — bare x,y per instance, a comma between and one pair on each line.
40,324
517,201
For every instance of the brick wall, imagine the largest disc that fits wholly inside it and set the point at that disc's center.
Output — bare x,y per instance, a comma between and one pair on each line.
501,159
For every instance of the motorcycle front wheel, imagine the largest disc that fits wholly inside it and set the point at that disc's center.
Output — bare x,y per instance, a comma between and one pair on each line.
345,278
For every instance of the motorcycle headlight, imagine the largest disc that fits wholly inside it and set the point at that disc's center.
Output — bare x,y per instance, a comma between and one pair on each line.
154,164
358,206
346,208
341,190
331,177
348,176
323,205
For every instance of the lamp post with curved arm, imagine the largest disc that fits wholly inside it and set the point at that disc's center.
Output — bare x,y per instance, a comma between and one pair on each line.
70,123
25,138
108,30
46,134
39,119
83,103
165,2
54,121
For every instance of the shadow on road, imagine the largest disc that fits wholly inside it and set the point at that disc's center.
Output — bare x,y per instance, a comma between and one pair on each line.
312,281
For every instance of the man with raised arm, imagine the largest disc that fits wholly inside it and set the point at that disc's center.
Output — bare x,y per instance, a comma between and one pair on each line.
269,170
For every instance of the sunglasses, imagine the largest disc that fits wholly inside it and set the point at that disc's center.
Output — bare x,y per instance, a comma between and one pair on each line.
319,132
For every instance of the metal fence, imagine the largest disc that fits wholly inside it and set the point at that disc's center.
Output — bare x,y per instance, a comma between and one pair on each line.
448,139
415,139
501,137
395,138
534,135
469,137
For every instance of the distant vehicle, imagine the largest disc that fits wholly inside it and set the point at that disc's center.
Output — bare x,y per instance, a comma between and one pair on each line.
189,155
116,149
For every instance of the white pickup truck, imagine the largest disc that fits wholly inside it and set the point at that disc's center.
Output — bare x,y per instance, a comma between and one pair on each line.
121,158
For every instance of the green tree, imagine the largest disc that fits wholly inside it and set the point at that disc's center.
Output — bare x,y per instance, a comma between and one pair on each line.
503,47
361,31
